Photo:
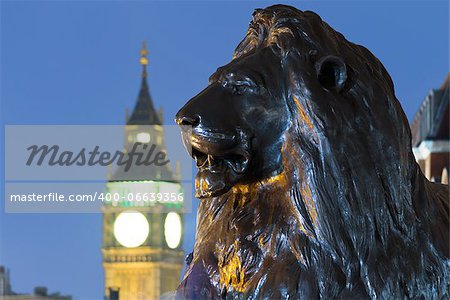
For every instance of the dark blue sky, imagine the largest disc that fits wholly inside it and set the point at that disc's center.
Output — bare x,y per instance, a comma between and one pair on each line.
77,63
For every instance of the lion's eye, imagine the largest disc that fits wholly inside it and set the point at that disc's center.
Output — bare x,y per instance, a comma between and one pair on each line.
332,73
239,89
239,84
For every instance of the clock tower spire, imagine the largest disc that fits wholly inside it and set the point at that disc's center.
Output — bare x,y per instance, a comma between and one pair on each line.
144,112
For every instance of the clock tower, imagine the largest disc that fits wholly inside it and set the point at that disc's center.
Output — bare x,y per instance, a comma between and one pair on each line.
143,219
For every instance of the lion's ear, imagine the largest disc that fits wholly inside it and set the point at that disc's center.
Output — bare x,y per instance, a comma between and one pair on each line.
331,73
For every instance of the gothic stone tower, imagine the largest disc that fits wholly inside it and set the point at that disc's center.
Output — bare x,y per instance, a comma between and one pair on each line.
142,255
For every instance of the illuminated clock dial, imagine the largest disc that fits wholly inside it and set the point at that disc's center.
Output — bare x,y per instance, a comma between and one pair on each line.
143,137
131,228
172,230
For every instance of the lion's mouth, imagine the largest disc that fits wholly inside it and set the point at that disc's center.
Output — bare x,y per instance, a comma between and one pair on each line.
238,163
217,173
221,162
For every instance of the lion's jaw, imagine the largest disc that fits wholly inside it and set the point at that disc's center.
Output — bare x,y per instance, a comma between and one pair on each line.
221,158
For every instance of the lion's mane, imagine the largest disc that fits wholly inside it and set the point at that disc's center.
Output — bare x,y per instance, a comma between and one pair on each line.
351,215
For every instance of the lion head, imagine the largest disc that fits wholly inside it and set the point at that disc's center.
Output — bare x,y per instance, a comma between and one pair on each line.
308,183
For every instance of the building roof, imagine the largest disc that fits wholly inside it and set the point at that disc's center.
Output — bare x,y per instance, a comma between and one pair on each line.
431,122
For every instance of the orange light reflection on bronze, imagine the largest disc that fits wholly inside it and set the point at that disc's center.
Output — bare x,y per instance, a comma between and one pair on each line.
302,114
231,271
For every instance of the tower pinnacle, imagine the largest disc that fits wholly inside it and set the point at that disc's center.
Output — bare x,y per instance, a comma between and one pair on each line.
144,112
144,52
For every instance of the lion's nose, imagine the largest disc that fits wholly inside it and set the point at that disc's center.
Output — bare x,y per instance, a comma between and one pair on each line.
187,120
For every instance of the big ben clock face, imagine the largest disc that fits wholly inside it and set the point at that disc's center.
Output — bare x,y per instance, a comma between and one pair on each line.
172,230
131,228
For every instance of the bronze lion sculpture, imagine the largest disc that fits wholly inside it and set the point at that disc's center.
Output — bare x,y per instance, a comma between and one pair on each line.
308,185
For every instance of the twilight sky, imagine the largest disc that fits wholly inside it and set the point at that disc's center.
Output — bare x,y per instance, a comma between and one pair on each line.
77,62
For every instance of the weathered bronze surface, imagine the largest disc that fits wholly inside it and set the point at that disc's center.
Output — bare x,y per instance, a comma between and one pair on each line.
308,185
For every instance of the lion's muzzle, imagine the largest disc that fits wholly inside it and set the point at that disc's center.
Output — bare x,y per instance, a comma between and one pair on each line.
222,158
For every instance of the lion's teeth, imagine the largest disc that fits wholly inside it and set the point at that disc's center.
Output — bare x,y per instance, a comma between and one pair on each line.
201,161
210,160
239,165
